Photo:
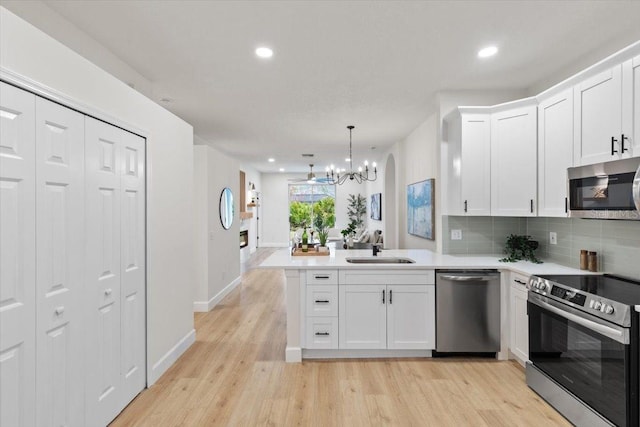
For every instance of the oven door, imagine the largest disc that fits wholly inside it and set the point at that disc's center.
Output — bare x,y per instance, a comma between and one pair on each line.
589,357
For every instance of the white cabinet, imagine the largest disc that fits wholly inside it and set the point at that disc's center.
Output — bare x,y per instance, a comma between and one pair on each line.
320,300
513,162
606,115
518,319
469,164
555,153
375,315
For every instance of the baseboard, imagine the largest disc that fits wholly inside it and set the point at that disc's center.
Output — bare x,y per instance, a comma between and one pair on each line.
359,354
274,245
293,354
165,362
205,306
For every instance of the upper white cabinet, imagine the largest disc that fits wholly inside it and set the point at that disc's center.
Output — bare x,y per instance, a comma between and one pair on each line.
606,113
631,105
469,163
555,152
513,161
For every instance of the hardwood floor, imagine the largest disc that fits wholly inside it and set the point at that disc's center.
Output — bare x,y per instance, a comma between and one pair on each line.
235,374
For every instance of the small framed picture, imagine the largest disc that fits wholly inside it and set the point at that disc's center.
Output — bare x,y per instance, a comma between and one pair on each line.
376,206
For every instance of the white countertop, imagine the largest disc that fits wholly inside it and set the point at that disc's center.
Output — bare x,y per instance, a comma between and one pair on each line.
424,259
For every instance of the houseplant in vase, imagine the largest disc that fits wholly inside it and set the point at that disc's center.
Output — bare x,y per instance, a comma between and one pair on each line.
323,219
347,234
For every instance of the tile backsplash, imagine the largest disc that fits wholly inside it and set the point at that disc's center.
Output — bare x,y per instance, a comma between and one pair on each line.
616,242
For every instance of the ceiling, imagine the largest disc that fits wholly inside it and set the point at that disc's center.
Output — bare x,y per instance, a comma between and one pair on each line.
376,65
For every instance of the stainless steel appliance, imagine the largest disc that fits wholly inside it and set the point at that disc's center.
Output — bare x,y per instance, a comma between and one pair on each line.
468,311
583,347
608,190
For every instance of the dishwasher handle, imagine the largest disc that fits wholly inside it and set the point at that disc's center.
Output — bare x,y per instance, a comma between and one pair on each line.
467,278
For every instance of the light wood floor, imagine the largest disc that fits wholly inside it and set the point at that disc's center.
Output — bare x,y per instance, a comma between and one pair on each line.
235,374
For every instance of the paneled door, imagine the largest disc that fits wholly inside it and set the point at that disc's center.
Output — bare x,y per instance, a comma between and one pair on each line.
59,206
410,321
103,150
132,267
17,257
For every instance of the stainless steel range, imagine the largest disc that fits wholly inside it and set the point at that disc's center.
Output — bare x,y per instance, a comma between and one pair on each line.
584,335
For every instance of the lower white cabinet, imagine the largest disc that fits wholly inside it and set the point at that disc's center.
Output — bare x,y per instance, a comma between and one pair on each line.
519,321
387,317
322,332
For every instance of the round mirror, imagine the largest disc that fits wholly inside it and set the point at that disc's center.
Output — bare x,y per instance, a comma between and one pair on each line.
226,208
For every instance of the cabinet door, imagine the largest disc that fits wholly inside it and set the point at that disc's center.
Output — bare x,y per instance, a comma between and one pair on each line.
362,319
411,317
631,107
598,118
132,267
103,145
513,162
60,268
475,168
18,257
555,153
519,331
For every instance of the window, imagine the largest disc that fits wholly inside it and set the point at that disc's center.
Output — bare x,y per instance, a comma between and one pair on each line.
307,201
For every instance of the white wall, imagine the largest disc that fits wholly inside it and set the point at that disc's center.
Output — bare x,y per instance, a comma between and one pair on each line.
201,210
29,53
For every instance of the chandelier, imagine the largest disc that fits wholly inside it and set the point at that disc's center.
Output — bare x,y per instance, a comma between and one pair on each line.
334,177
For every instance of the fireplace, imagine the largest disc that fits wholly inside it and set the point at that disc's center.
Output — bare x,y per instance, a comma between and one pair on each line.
244,238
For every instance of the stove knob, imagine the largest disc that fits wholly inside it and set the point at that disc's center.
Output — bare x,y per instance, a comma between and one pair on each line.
597,305
609,309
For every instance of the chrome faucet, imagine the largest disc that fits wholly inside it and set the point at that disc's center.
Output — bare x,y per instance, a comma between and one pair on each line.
376,250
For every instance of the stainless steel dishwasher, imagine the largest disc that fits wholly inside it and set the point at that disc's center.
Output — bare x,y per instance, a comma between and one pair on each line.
468,311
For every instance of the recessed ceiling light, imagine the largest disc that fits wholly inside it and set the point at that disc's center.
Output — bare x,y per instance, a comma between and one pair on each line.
264,52
281,169
347,159
271,160
487,52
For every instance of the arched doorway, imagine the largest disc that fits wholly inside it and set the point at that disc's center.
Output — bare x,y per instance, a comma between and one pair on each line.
390,205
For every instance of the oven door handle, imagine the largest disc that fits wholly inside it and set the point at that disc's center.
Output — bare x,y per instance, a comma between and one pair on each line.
619,335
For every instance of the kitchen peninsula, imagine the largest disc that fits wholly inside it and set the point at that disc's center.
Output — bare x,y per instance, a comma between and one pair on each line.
341,309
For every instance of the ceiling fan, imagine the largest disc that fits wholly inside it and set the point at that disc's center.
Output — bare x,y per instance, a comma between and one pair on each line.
311,177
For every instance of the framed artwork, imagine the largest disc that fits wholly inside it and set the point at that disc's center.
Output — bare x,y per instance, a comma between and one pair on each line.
376,206
420,211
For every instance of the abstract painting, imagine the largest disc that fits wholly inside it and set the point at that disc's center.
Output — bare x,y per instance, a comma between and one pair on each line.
420,212
376,206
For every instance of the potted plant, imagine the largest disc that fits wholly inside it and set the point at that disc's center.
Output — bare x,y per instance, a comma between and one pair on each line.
322,222
347,233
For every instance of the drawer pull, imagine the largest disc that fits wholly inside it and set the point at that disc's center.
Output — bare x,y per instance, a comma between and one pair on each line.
321,277
322,333
519,281
322,301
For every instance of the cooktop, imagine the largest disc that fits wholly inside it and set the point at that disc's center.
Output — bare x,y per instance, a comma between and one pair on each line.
614,288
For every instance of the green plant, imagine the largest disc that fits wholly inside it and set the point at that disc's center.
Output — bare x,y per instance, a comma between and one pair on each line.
299,215
349,230
357,210
520,248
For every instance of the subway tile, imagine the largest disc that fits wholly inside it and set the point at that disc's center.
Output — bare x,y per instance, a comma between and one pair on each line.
586,227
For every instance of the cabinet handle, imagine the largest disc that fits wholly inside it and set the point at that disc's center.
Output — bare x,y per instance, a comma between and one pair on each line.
566,205
383,296
622,138
390,296
531,205
613,150
321,277
465,206
519,281
322,301
322,333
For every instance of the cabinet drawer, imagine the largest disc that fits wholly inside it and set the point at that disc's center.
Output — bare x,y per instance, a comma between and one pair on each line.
322,332
519,281
322,277
322,300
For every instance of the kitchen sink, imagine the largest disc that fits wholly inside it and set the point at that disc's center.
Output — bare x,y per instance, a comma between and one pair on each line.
380,260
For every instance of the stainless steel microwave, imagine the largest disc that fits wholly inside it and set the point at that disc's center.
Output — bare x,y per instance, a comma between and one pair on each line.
608,190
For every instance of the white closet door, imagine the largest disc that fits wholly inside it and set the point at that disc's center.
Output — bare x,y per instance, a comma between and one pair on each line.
133,267
60,267
103,145
18,255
